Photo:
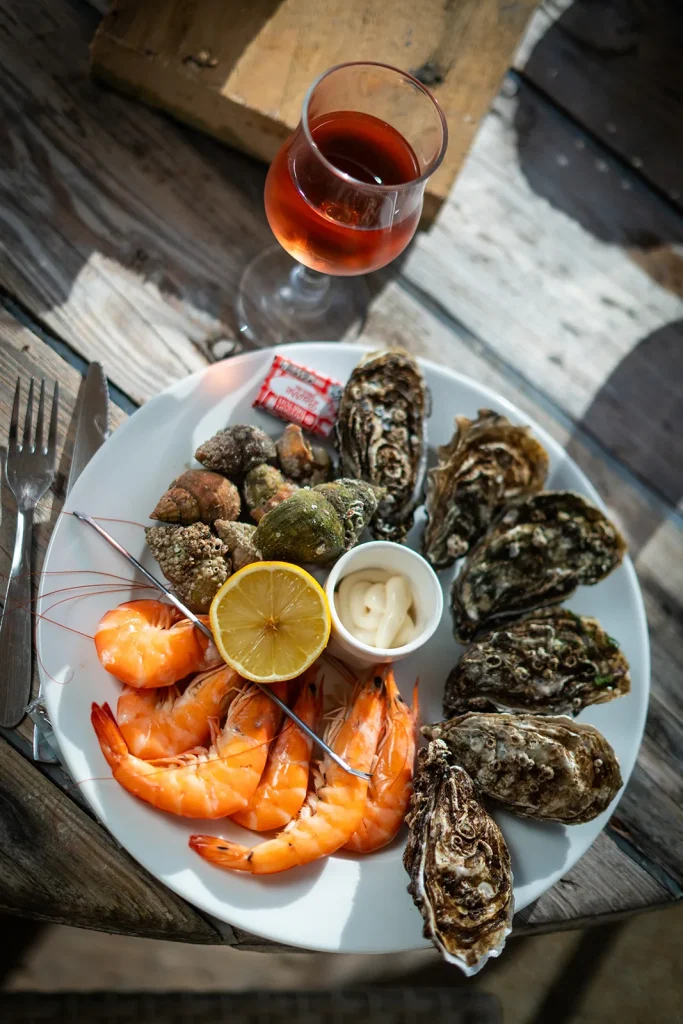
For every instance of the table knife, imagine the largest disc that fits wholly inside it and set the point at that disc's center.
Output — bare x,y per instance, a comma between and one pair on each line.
92,430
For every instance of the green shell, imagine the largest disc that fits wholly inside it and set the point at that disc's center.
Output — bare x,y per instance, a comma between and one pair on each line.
304,528
355,502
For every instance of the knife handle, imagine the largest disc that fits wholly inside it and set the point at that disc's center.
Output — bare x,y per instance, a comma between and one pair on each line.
16,632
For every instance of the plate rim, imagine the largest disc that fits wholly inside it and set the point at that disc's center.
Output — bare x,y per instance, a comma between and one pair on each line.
488,394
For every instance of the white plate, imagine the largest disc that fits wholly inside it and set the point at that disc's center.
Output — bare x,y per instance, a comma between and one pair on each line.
344,903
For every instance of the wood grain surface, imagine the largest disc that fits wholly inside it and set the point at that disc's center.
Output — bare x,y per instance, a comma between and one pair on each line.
615,67
203,61
56,864
123,236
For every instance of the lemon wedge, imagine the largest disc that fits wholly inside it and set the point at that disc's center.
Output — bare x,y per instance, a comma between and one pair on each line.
270,621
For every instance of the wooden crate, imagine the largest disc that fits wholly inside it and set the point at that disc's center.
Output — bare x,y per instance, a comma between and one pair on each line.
240,70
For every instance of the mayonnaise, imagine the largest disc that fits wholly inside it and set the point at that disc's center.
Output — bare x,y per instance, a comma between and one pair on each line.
376,607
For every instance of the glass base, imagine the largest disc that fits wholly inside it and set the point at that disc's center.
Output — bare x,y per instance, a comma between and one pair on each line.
280,300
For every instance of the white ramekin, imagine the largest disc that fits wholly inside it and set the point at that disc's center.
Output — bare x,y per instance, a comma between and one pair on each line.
428,599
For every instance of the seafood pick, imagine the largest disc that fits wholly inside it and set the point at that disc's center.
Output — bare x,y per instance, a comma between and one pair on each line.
380,435
535,554
459,865
547,768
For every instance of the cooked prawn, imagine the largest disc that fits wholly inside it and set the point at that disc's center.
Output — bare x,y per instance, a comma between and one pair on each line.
148,643
331,814
282,790
201,783
163,722
392,777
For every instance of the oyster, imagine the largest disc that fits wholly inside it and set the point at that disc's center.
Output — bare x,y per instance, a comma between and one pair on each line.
198,495
355,502
551,663
264,488
548,768
535,554
459,865
239,540
304,528
192,559
236,450
300,461
380,435
488,464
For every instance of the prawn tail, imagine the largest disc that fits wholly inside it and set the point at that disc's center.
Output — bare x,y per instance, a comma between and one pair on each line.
222,852
415,709
108,733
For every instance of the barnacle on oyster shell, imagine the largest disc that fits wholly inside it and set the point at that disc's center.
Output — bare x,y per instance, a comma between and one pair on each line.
236,450
488,464
459,865
198,495
264,488
192,559
304,528
535,554
553,769
239,540
380,435
301,461
355,502
551,663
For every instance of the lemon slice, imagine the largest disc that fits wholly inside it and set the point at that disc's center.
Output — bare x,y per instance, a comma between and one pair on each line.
270,621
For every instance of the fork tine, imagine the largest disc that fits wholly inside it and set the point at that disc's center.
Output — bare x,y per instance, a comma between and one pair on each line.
28,422
41,415
14,421
52,433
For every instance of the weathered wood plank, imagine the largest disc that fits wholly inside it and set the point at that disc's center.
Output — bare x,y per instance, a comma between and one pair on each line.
202,61
58,865
140,233
615,66
620,887
565,268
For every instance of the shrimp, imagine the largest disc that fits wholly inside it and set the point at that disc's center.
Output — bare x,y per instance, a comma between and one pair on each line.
201,783
392,778
148,643
282,789
160,723
331,814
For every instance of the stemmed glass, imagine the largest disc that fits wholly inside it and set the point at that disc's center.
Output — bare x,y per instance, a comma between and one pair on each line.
343,197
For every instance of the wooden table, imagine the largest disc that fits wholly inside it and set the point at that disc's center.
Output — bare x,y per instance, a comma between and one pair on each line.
552,275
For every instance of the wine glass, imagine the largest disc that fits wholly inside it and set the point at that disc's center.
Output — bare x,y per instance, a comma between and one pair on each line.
343,197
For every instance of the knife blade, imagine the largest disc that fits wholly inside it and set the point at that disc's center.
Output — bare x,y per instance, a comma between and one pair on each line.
92,430
92,426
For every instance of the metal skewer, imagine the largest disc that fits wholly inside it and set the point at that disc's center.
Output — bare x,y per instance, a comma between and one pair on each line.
207,632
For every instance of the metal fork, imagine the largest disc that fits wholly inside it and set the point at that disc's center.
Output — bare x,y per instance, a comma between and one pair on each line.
29,471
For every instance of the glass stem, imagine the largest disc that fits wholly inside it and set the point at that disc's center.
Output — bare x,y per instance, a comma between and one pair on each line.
308,287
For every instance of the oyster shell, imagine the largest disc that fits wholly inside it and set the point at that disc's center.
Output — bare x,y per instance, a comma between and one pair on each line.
192,559
380,435
239,540
236,450
488,464
304,528
553,769
264,488
551,663
459,865
198,495
301,461
535,554
355,502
